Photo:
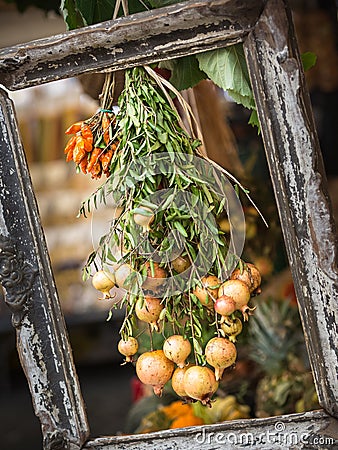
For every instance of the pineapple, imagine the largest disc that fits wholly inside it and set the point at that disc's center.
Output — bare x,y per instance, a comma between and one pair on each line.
277,346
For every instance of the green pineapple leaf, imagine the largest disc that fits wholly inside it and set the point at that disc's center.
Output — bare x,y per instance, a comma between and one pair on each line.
275,333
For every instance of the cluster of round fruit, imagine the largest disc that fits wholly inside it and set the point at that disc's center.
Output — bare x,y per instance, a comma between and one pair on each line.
156,367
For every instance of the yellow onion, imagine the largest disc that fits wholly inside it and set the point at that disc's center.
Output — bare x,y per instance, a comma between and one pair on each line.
148,309
104,281
225,306
177,349
144,217
232,328
180,264
220,353
122,272
155,279
208,292
177,380
199,383
239,292
128,347
155,369
249,275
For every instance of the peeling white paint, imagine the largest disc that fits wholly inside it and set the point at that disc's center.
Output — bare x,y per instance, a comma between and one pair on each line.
57,363
69,407
3,227
292,154
35,368
297,432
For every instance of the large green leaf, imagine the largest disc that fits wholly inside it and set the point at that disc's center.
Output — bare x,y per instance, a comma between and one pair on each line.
185,72
78,13
71,15
96,11
227,68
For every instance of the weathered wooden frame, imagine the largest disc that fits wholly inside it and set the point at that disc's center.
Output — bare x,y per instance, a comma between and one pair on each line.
298,178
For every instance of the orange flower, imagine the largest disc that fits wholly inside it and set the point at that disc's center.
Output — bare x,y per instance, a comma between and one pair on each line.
87,134
79,150
188,420
105,127
83,165
182,415
94,157
70,144
74,128
105,159
176,409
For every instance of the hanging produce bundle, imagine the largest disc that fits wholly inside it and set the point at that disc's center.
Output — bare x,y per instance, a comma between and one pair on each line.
92,145
181,276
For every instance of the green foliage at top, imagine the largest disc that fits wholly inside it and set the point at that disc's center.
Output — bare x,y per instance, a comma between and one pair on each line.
185,72
227,68
79,13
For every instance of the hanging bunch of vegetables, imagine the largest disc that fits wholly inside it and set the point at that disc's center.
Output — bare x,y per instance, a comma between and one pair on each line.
92,145
180,275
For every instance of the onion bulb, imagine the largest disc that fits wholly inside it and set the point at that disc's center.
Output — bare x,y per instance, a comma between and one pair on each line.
220,353
239,292
155,278
208,292
128,347
225,306
144,217
122,272
177,349
148,309
155,369
104,281
180,264
177,381
232,328
250,275
199,383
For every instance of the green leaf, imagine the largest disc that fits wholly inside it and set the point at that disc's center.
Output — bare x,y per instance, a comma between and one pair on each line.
87,10
309,59
71,14
227,68
185,72
180,228
96,11
253,120
197,347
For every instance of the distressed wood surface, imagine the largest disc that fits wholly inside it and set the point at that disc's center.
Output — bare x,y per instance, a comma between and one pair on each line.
297,173
299,182
30,293
312,430
138,39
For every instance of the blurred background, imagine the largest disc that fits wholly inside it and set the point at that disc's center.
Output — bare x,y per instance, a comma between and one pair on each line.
272,375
